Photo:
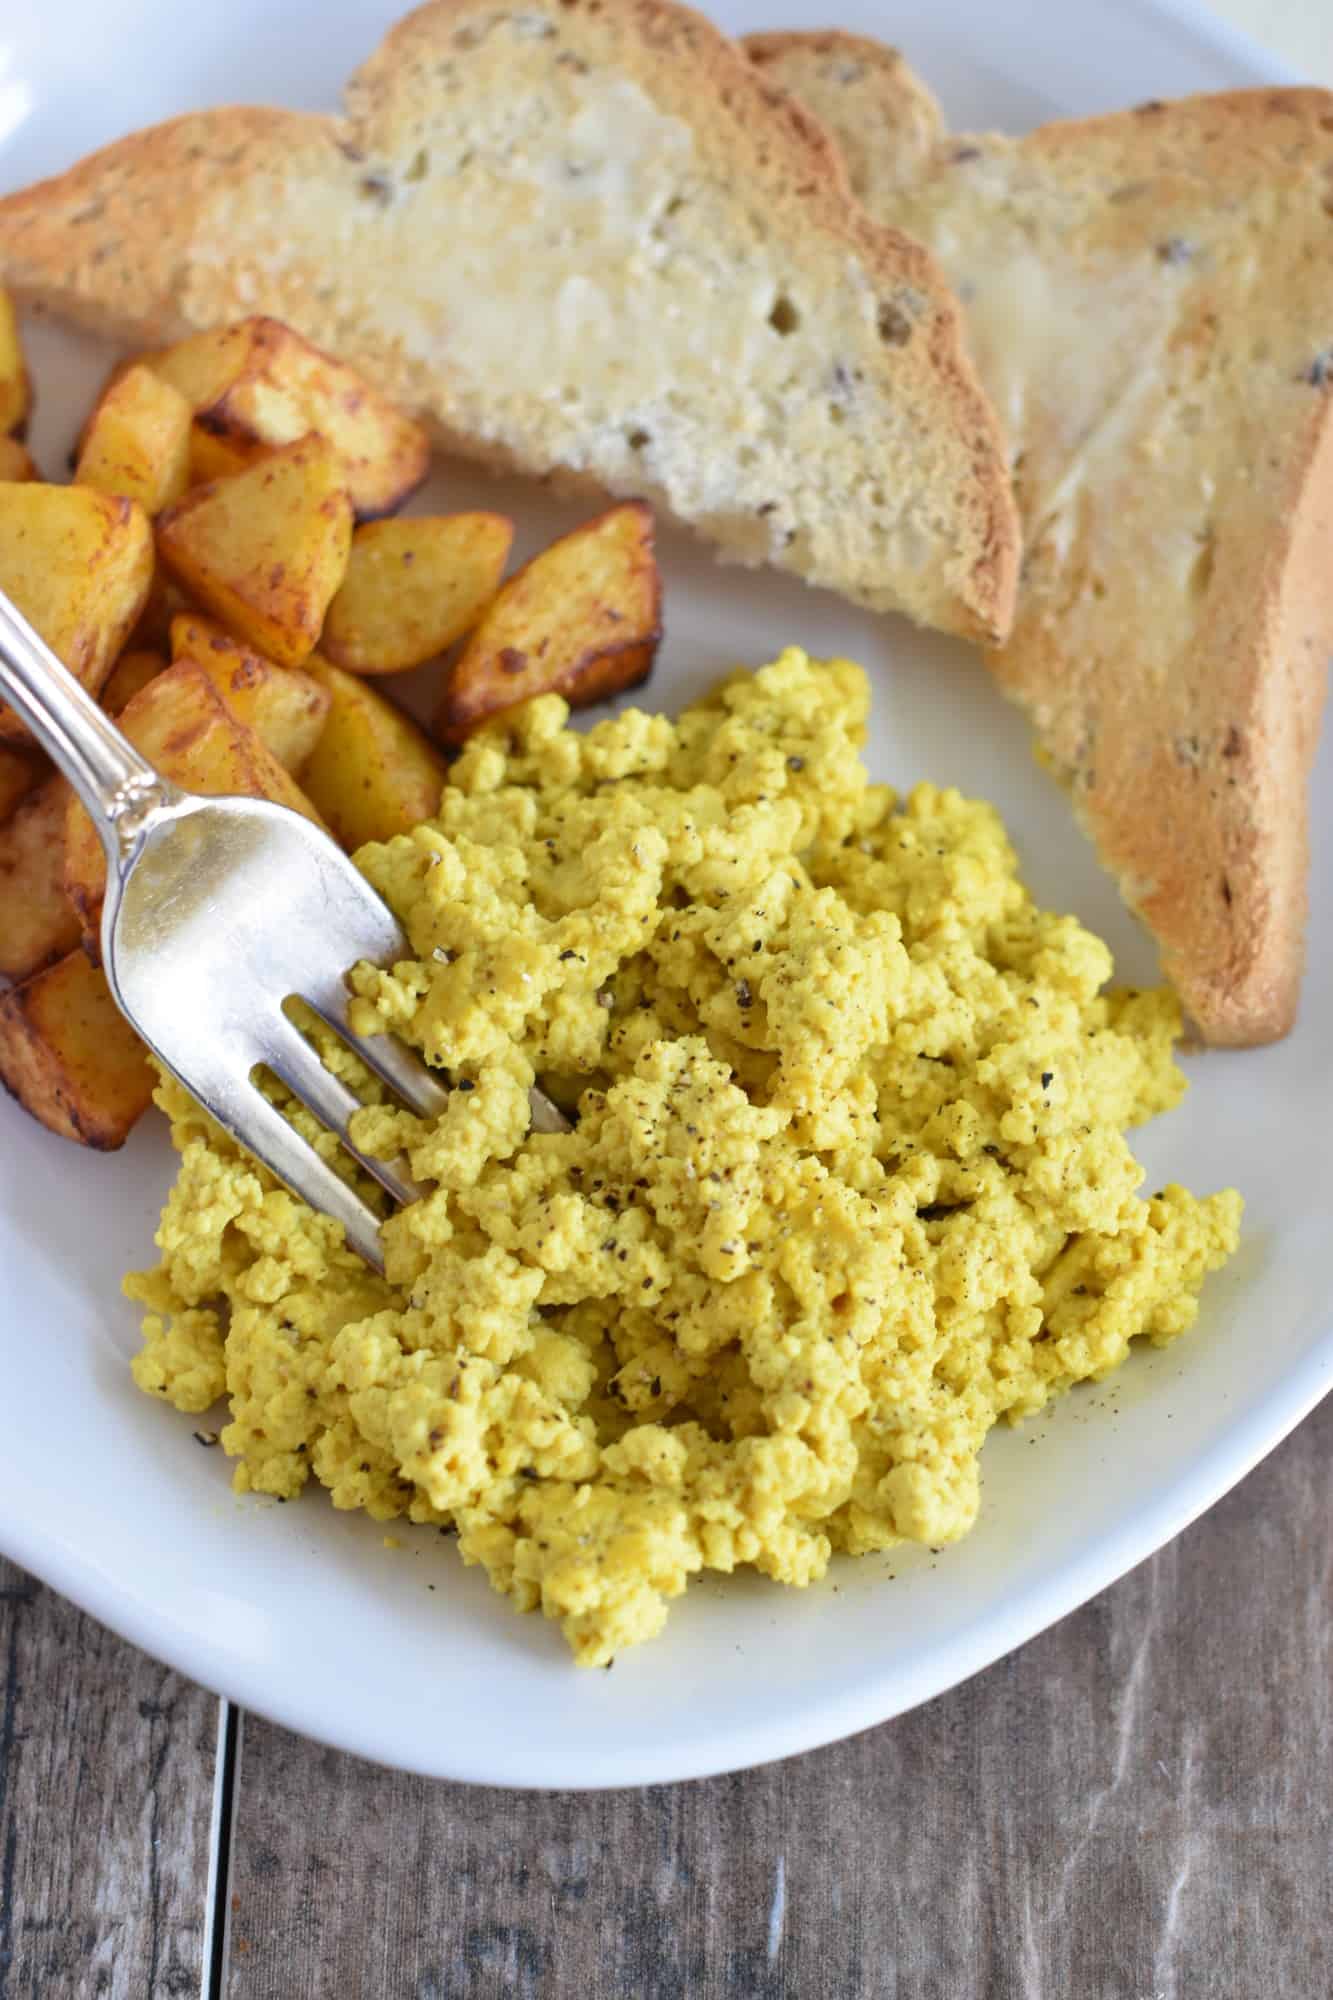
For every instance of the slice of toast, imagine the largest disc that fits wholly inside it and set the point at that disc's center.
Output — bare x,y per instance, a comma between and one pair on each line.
886,120
582,238
1149,300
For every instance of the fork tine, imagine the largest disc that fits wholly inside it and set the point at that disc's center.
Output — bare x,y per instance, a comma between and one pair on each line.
392,1061
261,1128
546,1116
290,1056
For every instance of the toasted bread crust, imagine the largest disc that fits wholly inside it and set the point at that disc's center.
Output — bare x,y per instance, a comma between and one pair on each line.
818,65
101,246
160,233
1176,613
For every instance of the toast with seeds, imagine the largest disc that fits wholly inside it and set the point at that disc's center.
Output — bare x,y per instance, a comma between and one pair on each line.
582,238
1149,300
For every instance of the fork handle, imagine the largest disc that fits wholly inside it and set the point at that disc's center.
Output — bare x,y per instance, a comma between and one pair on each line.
117,785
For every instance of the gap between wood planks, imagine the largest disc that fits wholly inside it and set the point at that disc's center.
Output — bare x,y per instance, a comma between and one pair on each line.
217,1907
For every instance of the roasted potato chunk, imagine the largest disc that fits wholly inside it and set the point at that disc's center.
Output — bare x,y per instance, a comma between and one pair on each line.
70,1057
137,441
260,383
213,457
373,772
21,771
183,726
78,564
412,588
166,600
15,387
132,671
266,549
582,619
16,462
37,922
284,706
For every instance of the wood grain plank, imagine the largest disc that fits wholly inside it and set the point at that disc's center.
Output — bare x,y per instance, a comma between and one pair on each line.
1134,1807
106,1787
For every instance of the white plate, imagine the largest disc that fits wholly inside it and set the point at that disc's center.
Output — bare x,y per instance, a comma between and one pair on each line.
299,1612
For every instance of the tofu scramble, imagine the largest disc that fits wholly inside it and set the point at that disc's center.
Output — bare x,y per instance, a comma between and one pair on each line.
848,1184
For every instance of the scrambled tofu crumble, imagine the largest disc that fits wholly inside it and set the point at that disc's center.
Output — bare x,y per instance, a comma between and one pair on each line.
848,1184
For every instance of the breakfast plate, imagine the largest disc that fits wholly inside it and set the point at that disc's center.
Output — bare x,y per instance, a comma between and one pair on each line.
398,1653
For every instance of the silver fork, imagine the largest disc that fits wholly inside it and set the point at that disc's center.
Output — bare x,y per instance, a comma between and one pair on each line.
217,912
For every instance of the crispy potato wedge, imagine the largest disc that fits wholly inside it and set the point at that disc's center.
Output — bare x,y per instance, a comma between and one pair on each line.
70,1057
183,726
79,565
37,921
21,771
15,385
16,461
284,706
413,587
266,550
214,457
582,619
259,383
166,600
137,441
133,670
374,772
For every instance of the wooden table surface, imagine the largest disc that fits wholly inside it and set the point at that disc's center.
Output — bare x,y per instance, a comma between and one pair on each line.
1136,1806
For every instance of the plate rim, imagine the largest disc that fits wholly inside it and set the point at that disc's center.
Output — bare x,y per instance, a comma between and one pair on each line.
1238,1449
